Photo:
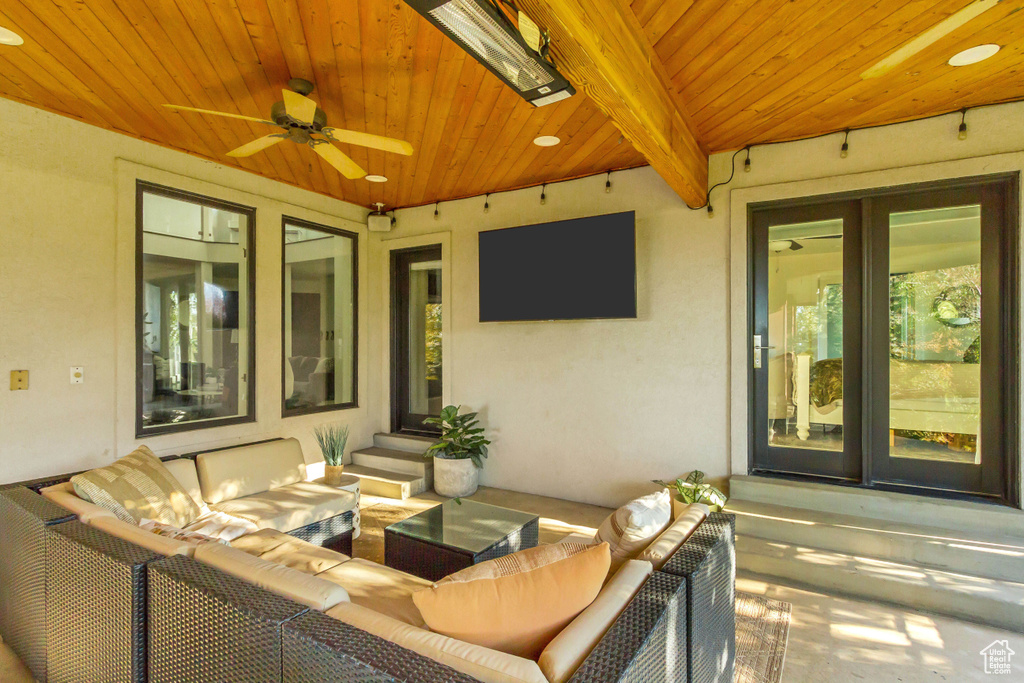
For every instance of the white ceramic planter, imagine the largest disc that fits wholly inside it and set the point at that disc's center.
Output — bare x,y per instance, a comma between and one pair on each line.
455,478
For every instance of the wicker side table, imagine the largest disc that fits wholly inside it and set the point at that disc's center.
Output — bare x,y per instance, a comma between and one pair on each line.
452,536
349,482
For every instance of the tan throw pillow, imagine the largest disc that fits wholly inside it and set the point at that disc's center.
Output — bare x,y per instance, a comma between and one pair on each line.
633,526
517,603
138,486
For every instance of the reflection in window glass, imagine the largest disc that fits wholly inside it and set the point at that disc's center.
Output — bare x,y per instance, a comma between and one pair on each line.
194,307
805,333
319,317
935,334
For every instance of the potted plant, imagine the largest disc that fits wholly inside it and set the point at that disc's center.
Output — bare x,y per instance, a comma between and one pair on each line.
458,455
332,440
693,489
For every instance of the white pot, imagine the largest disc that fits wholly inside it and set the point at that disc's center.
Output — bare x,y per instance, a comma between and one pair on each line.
455,478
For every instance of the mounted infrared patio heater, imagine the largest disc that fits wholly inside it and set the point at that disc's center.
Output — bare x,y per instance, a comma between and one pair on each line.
487,32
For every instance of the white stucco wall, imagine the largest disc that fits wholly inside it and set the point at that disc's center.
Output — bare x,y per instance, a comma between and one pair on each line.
593,410
586,411
67,293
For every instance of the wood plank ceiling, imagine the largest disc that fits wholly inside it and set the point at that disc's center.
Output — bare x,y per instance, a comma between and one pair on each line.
746,71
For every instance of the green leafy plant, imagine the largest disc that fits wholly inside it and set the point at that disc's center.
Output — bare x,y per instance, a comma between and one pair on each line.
693,489
461,438
332,440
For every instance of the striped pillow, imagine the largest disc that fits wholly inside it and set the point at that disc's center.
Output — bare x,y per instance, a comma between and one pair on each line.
138,486
631,528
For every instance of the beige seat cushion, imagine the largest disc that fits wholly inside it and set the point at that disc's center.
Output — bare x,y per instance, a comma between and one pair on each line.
133,534
276,578
65,496
290,507
633,526
483,664
382,589
184,470
273,546
243,471
658,552
566,652
138,486
519,602
222,526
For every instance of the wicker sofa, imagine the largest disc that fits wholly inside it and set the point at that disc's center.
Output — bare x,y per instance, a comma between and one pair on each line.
178,618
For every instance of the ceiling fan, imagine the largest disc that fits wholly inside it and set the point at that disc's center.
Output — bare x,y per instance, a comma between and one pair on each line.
779,246
304,122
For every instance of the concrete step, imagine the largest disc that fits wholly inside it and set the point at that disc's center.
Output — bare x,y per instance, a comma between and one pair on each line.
403,442
966,516
394,461
387,484
985,601
978,553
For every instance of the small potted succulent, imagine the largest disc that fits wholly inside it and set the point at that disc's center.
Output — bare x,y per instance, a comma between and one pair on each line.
458,454
332,440
693,489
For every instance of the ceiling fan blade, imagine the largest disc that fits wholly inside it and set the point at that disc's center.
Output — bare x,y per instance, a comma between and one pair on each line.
299,107
257,145
929,37
220,113
380,142
336,158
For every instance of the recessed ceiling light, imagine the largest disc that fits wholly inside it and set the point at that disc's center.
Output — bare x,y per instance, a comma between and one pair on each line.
9,37
546,141
376,179
973,55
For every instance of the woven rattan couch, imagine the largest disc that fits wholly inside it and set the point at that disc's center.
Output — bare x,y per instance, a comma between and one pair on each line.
77,604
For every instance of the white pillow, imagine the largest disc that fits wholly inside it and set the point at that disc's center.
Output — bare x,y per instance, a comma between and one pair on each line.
222,526
631,528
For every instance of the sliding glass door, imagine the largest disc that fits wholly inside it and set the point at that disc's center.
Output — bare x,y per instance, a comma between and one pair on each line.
884,339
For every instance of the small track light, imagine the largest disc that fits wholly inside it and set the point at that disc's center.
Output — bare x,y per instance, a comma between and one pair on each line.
487,203
608,184
746,162
962,134
437,214
844,151
543,195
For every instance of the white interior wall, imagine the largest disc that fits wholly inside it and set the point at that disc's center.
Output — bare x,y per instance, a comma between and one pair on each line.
67,239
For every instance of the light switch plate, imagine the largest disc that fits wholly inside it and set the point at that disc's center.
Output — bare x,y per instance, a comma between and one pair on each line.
19,380
77,375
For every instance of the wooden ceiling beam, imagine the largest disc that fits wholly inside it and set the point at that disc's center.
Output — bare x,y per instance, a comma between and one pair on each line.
601,48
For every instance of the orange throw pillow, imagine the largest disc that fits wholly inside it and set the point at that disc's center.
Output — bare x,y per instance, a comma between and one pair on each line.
517,603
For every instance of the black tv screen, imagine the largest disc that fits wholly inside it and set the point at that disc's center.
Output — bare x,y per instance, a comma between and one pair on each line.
566,270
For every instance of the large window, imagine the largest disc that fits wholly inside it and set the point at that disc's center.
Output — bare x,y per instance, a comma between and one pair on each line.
885,337
319,318
194,311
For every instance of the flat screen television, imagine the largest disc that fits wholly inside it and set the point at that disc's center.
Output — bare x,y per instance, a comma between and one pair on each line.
577,269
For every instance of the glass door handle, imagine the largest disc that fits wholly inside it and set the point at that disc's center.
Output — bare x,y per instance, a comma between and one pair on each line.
757,351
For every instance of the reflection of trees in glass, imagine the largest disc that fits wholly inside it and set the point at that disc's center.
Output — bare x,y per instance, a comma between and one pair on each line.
901,317
805,330
193,327
927,336
834,321
433,334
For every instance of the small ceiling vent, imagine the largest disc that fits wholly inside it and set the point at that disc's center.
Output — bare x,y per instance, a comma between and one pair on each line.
493,39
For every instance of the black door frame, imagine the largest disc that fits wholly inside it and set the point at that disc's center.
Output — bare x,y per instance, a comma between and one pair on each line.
401,421
1001,224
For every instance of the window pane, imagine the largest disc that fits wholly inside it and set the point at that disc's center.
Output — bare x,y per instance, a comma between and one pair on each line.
195,327
935,334
805,329
319,334
425,338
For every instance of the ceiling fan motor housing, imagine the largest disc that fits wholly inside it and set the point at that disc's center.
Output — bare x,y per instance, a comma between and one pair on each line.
281,118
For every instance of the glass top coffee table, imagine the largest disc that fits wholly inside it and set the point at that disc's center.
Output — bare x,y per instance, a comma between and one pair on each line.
449,537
